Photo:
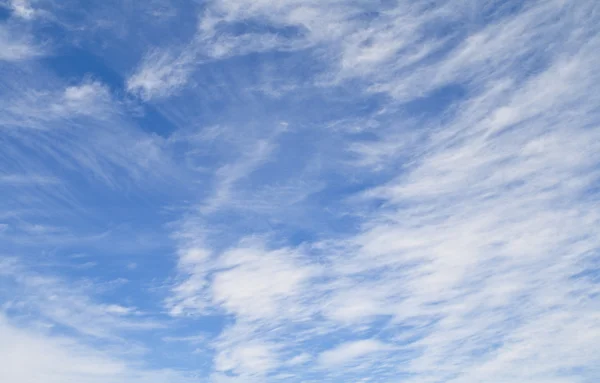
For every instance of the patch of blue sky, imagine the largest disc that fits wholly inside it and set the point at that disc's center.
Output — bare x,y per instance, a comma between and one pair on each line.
4,13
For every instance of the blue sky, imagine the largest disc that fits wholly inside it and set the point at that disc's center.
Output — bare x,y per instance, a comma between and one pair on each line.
299,191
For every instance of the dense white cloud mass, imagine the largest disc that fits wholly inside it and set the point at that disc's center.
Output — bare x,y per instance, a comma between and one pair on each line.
299,190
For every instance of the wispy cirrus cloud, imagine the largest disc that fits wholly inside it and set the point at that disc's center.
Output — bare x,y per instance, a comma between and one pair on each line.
62,304
53,122
34,356
15,47
161,74
23,9
349,351
498,189
343,190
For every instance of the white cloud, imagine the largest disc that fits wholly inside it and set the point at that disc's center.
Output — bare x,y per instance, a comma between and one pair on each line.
258,283
30,356
193,339
468,263
86,97
65,304
28,179
17,47
95,135
466,256
228,175
247,359
119,310
338,31
353,302
249,281
161,73
37,109
299,359
23,9
351,351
